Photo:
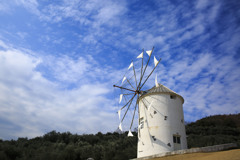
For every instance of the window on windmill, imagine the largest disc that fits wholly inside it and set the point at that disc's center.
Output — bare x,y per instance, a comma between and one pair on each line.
173,96
165,117
155,112
153,137
176,139
141,123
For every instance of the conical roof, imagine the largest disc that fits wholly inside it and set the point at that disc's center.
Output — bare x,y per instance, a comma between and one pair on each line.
161,89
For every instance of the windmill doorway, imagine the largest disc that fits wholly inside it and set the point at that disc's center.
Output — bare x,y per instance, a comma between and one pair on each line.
176,142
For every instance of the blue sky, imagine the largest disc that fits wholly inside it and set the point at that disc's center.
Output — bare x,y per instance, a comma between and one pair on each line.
59,59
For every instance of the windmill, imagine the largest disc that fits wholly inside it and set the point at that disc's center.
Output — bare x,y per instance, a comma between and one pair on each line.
160,113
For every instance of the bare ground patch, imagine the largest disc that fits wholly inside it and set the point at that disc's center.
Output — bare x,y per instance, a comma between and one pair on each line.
222,155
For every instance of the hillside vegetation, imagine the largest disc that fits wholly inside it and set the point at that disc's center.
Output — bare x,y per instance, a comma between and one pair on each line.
211,130
67,146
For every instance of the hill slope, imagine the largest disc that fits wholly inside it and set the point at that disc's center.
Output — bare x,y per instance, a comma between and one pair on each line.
213,130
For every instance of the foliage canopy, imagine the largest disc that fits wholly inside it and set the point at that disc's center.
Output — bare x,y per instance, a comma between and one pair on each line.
208,131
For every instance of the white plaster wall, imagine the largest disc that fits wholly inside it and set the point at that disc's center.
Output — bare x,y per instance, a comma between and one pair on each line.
156,125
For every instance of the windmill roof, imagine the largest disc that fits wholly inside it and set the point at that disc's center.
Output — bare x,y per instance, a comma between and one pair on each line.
162,90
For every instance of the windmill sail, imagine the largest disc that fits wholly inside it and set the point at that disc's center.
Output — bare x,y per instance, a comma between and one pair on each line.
120,98
155,61
120,126
149,52
119,114
130,133
124,78
140,55
130,66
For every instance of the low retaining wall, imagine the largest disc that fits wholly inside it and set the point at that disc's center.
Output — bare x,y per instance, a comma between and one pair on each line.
193,150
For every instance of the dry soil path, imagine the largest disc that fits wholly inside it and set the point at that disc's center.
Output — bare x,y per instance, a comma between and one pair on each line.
222,155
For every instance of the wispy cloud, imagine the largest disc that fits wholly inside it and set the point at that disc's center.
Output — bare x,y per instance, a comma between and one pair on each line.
93,13
35,104
208,83
4,7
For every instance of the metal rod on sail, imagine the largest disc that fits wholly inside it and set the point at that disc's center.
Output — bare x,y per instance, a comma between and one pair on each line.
142,64
145,69
128,101
128,108
123,88
134,113
139,135
135,76
130,84
150,74
128,94
128,80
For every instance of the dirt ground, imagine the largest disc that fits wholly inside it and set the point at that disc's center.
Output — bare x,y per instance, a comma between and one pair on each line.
222,155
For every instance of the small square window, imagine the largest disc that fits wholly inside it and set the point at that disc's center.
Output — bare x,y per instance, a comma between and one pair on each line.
178,140
153,137
174,139
173,96
141,123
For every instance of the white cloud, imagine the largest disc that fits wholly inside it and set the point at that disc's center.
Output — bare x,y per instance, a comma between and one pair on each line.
4,7
202,4
22,35
3,45
35,105
31,5
66,69
214,12
92,13
208,83
195,31
109,14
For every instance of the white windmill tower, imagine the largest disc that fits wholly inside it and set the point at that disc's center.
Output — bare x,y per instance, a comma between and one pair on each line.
160,112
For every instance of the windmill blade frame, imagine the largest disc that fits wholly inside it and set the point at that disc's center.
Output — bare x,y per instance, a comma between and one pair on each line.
135,92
